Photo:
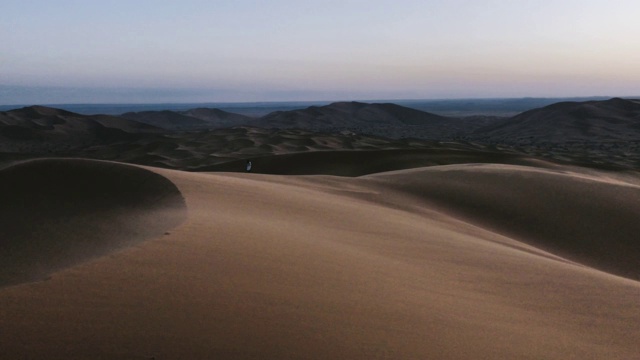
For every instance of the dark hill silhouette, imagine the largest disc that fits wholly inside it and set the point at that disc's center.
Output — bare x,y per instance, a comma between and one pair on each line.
349,114
166,119
43,117
591,121
40,128
216,118
386,120
602,134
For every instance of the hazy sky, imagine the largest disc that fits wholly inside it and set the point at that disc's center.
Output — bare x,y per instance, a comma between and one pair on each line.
62,51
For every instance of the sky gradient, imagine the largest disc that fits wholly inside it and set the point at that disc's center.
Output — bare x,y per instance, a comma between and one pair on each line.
66,51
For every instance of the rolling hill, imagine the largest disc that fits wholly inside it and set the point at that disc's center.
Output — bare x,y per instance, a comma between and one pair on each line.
593,121
166,119
216,118
388,120
39,128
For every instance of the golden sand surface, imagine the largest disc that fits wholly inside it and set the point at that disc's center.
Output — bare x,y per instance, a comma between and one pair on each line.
447,262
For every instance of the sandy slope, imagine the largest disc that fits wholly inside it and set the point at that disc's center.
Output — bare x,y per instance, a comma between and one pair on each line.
586,216
56,213
320,267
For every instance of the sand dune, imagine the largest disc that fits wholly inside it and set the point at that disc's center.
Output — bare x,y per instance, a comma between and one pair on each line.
586,216
324,267
57,213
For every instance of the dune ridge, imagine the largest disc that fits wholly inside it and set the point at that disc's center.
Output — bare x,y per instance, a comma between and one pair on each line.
60,212
571,212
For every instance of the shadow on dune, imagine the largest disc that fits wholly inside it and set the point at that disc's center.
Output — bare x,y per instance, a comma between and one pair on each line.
588,220
57,213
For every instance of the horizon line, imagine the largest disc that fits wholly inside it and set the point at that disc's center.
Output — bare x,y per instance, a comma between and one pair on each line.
265,102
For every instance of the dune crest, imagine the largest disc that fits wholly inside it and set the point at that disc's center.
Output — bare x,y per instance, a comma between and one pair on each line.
586,217
56,213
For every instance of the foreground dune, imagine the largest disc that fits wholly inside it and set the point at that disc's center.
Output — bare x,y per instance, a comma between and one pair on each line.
56,213
321,267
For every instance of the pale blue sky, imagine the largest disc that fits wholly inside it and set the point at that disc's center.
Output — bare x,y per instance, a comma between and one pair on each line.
55,51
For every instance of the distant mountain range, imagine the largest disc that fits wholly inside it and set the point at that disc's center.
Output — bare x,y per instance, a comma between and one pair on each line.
614,119
610,120
385,120
355,114
608,130
504,107
193,119
39,128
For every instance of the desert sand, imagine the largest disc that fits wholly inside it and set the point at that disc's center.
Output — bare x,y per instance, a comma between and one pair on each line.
466,261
